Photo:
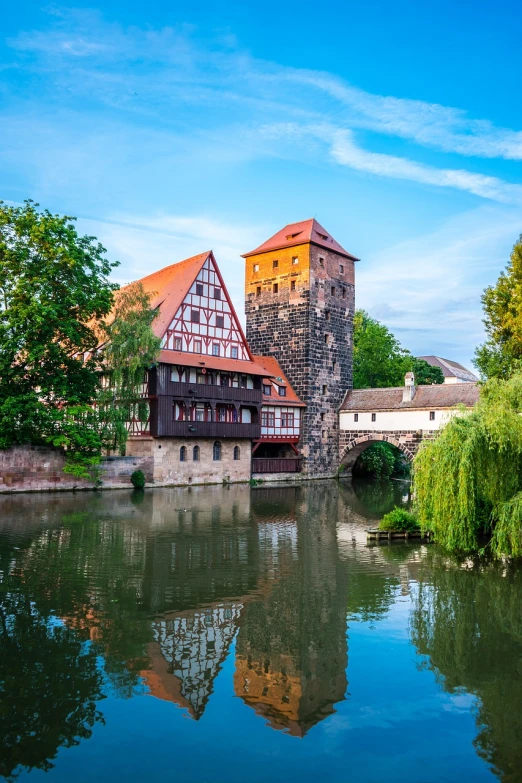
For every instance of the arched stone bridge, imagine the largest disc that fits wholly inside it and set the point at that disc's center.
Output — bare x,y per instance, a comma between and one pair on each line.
352,444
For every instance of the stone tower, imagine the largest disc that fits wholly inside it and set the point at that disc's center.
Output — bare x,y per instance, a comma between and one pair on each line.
299,302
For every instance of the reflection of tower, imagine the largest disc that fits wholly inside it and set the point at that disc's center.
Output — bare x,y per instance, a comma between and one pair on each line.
188,653
291,653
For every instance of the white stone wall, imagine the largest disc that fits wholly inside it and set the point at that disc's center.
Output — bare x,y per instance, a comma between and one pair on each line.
396,420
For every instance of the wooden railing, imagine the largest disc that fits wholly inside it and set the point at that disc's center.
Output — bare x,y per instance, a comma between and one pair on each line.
209,429
276,465
201,391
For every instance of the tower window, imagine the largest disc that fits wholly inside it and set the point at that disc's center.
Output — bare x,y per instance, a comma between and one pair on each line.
276,288
323,434
256,267
275,264
344,293
199,289
220,321
295,260
258,290
327,339
215,349
321,261
341,269
325,389
333,290
217,293
374,417
194,316
432,415
356,417
322,416
327,315
292,285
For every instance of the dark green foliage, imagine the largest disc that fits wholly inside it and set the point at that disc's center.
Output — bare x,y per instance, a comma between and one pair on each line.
53,284
380,361
501,355
469,480
399,520
138,479
381,460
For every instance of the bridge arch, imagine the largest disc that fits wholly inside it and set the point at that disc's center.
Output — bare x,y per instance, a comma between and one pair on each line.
355,448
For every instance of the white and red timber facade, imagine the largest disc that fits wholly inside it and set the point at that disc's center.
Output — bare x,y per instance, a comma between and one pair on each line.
206,392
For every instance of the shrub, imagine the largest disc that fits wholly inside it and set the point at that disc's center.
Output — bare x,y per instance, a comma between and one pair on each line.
138,479
399,520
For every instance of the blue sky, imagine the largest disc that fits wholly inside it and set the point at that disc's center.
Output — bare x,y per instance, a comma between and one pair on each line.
172,128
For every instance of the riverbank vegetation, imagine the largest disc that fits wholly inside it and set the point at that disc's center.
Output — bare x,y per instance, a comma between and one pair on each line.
400,520
73,349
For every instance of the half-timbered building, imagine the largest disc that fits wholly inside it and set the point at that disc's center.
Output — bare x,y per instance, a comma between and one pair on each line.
205,393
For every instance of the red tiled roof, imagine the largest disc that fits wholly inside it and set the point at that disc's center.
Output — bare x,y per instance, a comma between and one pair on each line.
169,287
211,362
298,234
426,397
273,373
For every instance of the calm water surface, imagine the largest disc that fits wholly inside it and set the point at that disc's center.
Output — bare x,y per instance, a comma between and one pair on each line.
243,635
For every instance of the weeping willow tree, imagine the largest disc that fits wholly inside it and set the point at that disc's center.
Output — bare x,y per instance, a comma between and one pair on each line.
469,480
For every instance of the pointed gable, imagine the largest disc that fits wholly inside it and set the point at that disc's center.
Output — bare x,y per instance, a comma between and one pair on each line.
299,234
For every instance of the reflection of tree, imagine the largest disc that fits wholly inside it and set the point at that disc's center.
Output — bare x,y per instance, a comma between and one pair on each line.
374,498
49,685
468,621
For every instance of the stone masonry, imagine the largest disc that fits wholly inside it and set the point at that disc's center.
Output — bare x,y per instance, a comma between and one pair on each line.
307,324
353,442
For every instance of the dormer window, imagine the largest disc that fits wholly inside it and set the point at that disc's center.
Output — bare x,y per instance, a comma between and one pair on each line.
267,389
323,236
293,236
282,391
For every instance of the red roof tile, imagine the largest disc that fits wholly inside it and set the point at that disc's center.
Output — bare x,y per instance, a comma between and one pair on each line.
298,234
211,362
276,377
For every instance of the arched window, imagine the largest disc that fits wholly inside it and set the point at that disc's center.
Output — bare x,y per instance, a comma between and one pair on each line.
195,453
216,451
237,452
183,454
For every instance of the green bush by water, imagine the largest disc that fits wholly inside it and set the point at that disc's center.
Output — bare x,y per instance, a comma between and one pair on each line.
138,479
399,520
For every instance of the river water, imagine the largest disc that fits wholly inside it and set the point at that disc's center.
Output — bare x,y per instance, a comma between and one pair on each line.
240,634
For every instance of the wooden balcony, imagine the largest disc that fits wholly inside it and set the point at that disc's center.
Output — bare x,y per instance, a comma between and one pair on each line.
276,465
200,391
207,429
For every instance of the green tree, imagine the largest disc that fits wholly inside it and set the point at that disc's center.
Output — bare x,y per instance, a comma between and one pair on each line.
379,360
501,355
53,285
469,480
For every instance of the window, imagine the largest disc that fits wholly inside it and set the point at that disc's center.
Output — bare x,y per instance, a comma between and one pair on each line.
225,380
323,434
276,288
222,413
256,267
275,264
267,389
356,417
258,290
217,293
282,391
233,351
220,321
201,376
325,389
194,316
333,290
374,417
295,260
321,261
242,381
215,349
178,344
322,416
199,289
267,419
216,451
183,454
195,453
197,346
432,415
287,420
344,293
200,413
327,339
237,452
327,315
341,269
292,285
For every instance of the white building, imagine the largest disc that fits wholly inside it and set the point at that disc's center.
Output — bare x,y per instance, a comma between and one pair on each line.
453,371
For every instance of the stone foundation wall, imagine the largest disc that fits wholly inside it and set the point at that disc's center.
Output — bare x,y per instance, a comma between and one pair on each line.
40,469
168,469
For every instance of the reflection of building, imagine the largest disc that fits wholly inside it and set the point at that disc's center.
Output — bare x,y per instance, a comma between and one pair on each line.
291,653
188,652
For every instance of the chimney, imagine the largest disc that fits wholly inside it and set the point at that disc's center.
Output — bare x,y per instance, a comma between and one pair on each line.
408,393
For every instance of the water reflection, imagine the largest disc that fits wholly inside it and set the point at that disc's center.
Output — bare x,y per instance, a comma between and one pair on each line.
112,597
